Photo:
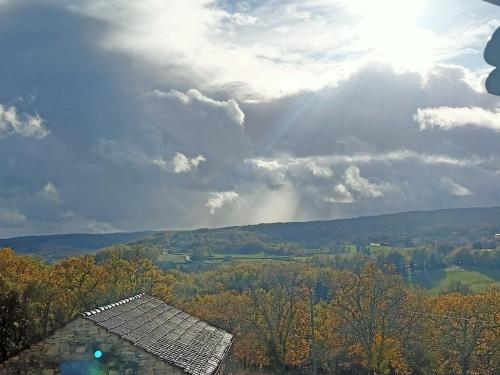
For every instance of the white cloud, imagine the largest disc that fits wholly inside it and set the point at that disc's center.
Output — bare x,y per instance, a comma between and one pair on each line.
183,164
25,125
219,199
454,188
340,195
123,152
11,217
315,165
268,51
363,186
240,19
50,192
271,49
319,170
321,165
231,107
268,164
447,118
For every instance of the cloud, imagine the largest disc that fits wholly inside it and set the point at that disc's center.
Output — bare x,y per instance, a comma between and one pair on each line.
312,101
454,188
317,166
12,122
242,19
183,164
363,186
220,199
11,217
447,118
294,45
340,195
267,164
73,221
50,192
125,153
320,170
230,106
321,165
224,47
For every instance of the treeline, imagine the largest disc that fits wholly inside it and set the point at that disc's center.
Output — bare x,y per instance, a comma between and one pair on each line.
421,259
364,320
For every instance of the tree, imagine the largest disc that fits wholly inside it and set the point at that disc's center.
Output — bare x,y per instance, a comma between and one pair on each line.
375,316
465,330
457,286
84,282
279,302
19,301
394,259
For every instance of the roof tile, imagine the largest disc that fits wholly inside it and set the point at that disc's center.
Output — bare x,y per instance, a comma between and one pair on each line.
174,336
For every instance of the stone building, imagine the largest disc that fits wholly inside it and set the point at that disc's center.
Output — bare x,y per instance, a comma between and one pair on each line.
138,335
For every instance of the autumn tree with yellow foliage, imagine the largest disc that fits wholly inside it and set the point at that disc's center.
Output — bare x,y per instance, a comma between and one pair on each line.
464,331
365,320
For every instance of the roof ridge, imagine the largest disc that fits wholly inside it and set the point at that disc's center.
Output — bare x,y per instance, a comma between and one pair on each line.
111,305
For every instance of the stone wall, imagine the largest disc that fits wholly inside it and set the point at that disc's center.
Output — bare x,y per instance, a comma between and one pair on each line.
70,351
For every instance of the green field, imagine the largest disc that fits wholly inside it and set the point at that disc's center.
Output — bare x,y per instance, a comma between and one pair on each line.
173,258
349,248
217,258
436,281
387,249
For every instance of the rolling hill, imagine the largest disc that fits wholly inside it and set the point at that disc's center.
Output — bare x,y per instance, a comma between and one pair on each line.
53,247
404,229
400,229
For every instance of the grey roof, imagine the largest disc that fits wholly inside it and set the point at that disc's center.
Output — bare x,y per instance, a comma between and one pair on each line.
174,336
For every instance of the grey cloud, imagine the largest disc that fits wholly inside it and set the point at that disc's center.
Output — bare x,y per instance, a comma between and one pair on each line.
50,192
111,155
11,217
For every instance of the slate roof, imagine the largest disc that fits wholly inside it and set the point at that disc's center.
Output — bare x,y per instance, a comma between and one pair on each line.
174,336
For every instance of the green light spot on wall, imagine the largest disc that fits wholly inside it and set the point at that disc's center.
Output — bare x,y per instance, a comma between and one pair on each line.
98,354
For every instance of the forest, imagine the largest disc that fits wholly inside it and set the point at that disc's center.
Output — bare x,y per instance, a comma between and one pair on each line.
287,317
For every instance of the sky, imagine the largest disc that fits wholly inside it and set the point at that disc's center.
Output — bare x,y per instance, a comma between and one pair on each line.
125,115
